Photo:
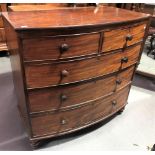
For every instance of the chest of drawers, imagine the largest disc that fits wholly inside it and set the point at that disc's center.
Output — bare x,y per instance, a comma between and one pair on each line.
72,67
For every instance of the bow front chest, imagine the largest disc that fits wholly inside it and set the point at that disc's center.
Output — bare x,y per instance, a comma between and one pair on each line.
72,67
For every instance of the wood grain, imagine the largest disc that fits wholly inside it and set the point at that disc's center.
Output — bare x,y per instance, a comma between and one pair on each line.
49,47
116,39
68,120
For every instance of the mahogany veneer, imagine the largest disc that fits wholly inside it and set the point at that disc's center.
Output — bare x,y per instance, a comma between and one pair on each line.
73,67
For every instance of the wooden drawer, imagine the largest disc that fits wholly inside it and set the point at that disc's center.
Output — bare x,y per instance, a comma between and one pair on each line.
67,96
2,35
57,123
60,47
61,73
117,38
130,56
124,77
41,75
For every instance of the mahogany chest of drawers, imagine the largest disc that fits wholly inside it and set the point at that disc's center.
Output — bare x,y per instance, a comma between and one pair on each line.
72,67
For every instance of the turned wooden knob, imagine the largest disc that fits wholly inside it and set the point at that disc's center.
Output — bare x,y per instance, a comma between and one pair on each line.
114,103
64,73
124,59
64,48
63,97
63,122
129,37
118,81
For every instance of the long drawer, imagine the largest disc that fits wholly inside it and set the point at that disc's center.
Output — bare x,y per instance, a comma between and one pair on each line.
60,47
58,98
115,39
42,75
59,122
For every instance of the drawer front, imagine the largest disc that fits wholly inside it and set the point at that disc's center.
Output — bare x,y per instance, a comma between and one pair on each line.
60,47
68,120
2,35
61,73
124,78
130,56
67,96
116,39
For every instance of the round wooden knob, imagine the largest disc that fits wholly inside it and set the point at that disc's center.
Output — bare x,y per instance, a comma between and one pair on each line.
124,59
129,37
118,81
63,122
64,73
64,48
63,97
114,103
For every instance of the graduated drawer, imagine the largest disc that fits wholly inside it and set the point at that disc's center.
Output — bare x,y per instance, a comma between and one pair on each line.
68,96
60,47
119,38
59,122
42,75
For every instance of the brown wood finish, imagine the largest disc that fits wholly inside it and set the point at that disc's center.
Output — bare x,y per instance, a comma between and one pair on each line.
71,18
78,70
50,99
32,7
68,120
14,48
89,81
52,47
119,37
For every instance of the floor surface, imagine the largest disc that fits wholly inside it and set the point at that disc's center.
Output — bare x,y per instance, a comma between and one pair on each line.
132,130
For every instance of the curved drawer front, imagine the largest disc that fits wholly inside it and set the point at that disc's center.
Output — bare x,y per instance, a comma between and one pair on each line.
61,73
67,96
124,77
57,123
60,47
130,56
118,38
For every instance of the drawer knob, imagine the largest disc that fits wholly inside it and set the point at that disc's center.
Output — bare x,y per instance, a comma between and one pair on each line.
124,59
118,81
64,48
63,122
114,103
64,73
63,97
129,37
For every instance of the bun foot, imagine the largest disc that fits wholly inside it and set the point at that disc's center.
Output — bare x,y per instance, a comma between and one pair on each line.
35,144
120,111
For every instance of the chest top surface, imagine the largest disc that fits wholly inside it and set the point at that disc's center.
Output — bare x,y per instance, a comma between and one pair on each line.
71,17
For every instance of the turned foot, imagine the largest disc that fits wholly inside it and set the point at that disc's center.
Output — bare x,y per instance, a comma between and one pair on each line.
120,111
34,144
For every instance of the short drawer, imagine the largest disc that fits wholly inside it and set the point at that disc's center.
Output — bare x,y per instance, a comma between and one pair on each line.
42,75
60,47
57,123
119,38
68,96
